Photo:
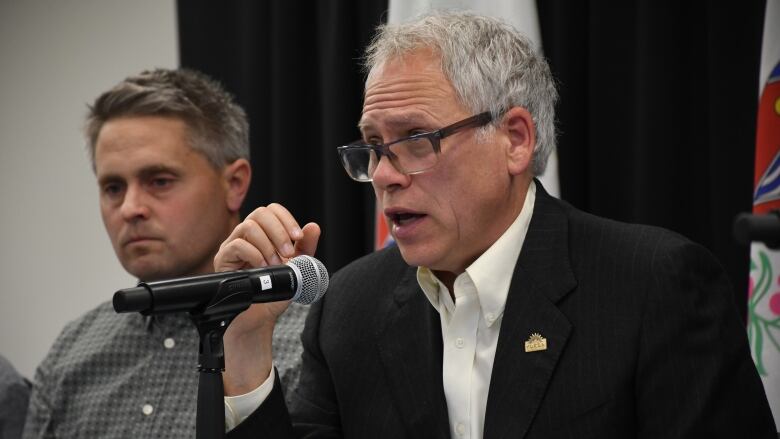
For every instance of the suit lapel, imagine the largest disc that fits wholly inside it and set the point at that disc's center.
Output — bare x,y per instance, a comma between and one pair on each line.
410,348
542,277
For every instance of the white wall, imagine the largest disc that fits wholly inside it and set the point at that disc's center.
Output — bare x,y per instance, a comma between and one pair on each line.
56,261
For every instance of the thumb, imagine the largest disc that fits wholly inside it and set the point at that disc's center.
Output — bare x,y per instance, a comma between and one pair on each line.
308,244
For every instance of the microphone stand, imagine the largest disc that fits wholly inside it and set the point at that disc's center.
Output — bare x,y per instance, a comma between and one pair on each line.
233,296
758,228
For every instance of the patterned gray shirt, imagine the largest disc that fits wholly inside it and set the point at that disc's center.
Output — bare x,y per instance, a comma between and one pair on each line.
112,375
14,393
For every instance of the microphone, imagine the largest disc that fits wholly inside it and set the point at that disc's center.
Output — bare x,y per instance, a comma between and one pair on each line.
762,228
303,279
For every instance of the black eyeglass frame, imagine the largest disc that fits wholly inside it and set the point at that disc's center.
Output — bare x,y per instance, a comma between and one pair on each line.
434,137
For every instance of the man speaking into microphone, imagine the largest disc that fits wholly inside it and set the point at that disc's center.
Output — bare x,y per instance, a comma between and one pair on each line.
502,312
170,151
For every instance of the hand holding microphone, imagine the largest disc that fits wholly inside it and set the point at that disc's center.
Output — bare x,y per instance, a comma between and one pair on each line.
268,236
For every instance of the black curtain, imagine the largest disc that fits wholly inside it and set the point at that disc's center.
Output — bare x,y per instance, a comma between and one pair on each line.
656,119
294,67
658,114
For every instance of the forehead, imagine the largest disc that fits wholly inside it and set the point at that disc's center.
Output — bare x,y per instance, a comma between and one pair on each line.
407,89
127,144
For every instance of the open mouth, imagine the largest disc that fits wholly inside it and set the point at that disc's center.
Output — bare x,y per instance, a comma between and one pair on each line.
404,218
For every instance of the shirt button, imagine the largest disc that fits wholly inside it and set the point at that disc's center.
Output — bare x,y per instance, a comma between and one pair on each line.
459,343
460,429
169,343
490,317
147,409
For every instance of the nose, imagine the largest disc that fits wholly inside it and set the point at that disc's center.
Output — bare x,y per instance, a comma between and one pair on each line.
134,204
387,177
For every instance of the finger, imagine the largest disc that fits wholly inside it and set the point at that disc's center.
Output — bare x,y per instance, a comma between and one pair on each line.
251,232
238,254
308,244
272,221
257,236
238,232
287,220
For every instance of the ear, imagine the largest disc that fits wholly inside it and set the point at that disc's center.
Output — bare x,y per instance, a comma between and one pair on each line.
236,177
519,127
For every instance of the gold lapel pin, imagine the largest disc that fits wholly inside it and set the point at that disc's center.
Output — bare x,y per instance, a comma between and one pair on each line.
536,343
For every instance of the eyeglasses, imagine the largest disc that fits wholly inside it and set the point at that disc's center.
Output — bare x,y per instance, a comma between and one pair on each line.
410,155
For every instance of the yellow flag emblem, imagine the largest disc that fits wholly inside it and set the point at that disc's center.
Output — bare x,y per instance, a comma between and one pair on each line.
536,343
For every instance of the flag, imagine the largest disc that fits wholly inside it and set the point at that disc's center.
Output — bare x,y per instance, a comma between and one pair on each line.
382,237
764,287
522,15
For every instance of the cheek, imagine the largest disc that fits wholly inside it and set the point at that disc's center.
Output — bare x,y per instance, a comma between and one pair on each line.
184,218
444,200
197,218
472,197
111,222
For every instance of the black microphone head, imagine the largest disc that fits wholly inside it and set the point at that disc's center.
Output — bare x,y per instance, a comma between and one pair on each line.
313,276
132,299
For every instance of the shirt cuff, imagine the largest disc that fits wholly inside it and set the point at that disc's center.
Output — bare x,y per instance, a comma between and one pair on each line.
239,407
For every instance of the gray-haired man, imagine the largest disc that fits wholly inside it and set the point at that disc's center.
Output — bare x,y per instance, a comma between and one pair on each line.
502,312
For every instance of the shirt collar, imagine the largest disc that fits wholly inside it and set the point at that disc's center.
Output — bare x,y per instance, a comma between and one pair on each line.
491,273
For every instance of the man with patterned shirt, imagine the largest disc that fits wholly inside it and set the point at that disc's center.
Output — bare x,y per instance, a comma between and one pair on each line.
14,395
170,151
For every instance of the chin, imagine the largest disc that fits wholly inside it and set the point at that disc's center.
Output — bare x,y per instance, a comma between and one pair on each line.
147,271
418,255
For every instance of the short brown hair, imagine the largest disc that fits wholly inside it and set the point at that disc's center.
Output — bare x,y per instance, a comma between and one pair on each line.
217,125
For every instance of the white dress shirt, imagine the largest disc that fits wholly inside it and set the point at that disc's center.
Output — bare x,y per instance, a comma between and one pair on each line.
239,407
471,323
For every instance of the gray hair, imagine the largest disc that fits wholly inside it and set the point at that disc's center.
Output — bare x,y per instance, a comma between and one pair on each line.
217,126
491,66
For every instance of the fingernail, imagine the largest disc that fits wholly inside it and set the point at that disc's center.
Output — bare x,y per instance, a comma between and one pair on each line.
297,233
287,249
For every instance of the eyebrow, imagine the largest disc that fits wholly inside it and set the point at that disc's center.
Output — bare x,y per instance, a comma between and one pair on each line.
143,173
149,171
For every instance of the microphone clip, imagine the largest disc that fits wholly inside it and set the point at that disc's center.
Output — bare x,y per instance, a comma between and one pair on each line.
233,296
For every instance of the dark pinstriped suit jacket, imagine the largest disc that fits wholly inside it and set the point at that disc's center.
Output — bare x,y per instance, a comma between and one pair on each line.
643,341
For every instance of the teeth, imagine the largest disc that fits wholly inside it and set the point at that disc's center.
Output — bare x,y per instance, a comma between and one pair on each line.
404,218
